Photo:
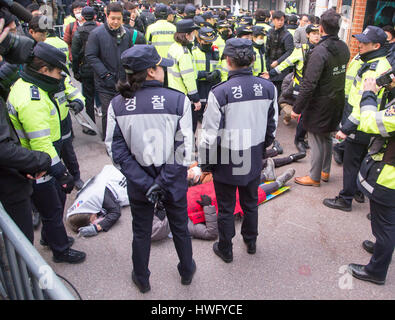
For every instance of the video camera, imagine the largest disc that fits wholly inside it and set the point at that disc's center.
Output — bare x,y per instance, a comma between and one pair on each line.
386,78
99,11
15,49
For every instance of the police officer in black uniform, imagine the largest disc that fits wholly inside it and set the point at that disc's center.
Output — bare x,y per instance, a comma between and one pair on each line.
241,112
149,136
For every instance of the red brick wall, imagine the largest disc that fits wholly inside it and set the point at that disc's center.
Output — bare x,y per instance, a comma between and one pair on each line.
359,7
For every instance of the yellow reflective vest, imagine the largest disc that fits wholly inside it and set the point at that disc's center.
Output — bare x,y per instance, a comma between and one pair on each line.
59,44
161,35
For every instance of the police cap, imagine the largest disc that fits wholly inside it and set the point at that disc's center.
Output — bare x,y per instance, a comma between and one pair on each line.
312,28
190,10
246,29
223,24
246,20
186,26
207,34
233,45
258,30
141,57
199,21
372,34
207,15
51,55
161,10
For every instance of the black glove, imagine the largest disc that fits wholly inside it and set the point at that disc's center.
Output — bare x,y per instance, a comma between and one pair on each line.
206,200
160,210
155,193
75,106
214,76
66,182
202,74
109,81
77,76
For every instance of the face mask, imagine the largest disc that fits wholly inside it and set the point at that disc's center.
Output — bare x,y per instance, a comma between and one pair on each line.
259,42
78,16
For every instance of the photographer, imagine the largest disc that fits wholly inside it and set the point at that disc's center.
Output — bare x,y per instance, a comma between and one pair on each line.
377,179
17,166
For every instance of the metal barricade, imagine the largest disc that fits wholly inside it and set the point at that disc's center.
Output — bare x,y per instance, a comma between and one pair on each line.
24,274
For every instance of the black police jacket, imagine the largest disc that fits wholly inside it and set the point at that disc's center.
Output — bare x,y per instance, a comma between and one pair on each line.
16,162
321,96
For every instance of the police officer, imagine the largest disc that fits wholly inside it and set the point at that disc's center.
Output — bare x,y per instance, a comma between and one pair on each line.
224,33
182,74
377,180
258,42
373,63
145,111
35,114
56,42
240,109
161,33
206,58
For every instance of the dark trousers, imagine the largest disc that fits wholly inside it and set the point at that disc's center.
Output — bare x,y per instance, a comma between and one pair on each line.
105,99
300,134
143,213
88,90
352,159
69,158
21,213
226,199
383,228
49,200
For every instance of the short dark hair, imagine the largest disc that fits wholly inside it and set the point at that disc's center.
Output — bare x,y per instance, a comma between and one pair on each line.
278,14
37,63
34,24
389,29
262,14
180,37
114,7
130,6
330,22
33,7
78,220
312,18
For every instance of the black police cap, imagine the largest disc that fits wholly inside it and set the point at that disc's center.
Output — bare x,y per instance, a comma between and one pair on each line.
88,13
186,26
51,55
235,44
207,34
141,57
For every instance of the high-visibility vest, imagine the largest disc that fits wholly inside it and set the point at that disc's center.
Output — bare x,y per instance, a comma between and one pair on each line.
161,35
182,75
259,65
59,44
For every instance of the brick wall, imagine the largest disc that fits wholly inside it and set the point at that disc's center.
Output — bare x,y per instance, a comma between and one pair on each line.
359,7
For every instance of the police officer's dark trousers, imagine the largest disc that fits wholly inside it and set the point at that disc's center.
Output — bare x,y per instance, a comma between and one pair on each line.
21,212
226,199
143,213
353,156
383,228
67,152
300,131
88,91
49,200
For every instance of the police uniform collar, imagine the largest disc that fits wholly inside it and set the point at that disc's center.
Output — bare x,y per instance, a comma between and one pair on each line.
381,52
46,83
240,72
152,83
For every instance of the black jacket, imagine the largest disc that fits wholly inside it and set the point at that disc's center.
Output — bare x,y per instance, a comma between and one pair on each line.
279,46
103,53
80,39
321,96
140,39
16,162
147,17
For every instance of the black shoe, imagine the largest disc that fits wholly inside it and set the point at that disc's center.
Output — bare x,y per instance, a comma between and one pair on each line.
358,271
300,146
45,244
277,147
143,289
297,156
70,256
369,216
251,247
368,246
78,184
89,132
226,257
187,280
337,203
305,144
359,197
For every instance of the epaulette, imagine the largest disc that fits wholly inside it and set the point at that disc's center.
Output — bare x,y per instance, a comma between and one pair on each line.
373,65
34,93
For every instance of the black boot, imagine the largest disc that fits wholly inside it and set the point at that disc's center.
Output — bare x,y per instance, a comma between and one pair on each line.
337,203
358,271
368,246
297,156
70,256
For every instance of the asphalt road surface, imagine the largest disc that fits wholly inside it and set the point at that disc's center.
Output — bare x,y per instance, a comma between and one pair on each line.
303,247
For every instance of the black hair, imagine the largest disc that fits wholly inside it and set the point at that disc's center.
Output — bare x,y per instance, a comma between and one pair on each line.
34,24
36,64
278,14
114,7
180,37
312,18
330,22
146,5
262,14
134,81
390,30
243,57
33,7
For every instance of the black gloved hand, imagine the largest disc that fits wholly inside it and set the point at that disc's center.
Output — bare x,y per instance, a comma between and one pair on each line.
214,76
155,193
75,106
109,81
77,76
66,182
202,74
160,210
206,200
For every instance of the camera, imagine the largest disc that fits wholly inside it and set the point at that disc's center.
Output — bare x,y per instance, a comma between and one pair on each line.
386,78
15,49
99,11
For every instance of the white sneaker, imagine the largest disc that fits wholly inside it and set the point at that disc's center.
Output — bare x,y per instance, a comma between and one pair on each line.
98,112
